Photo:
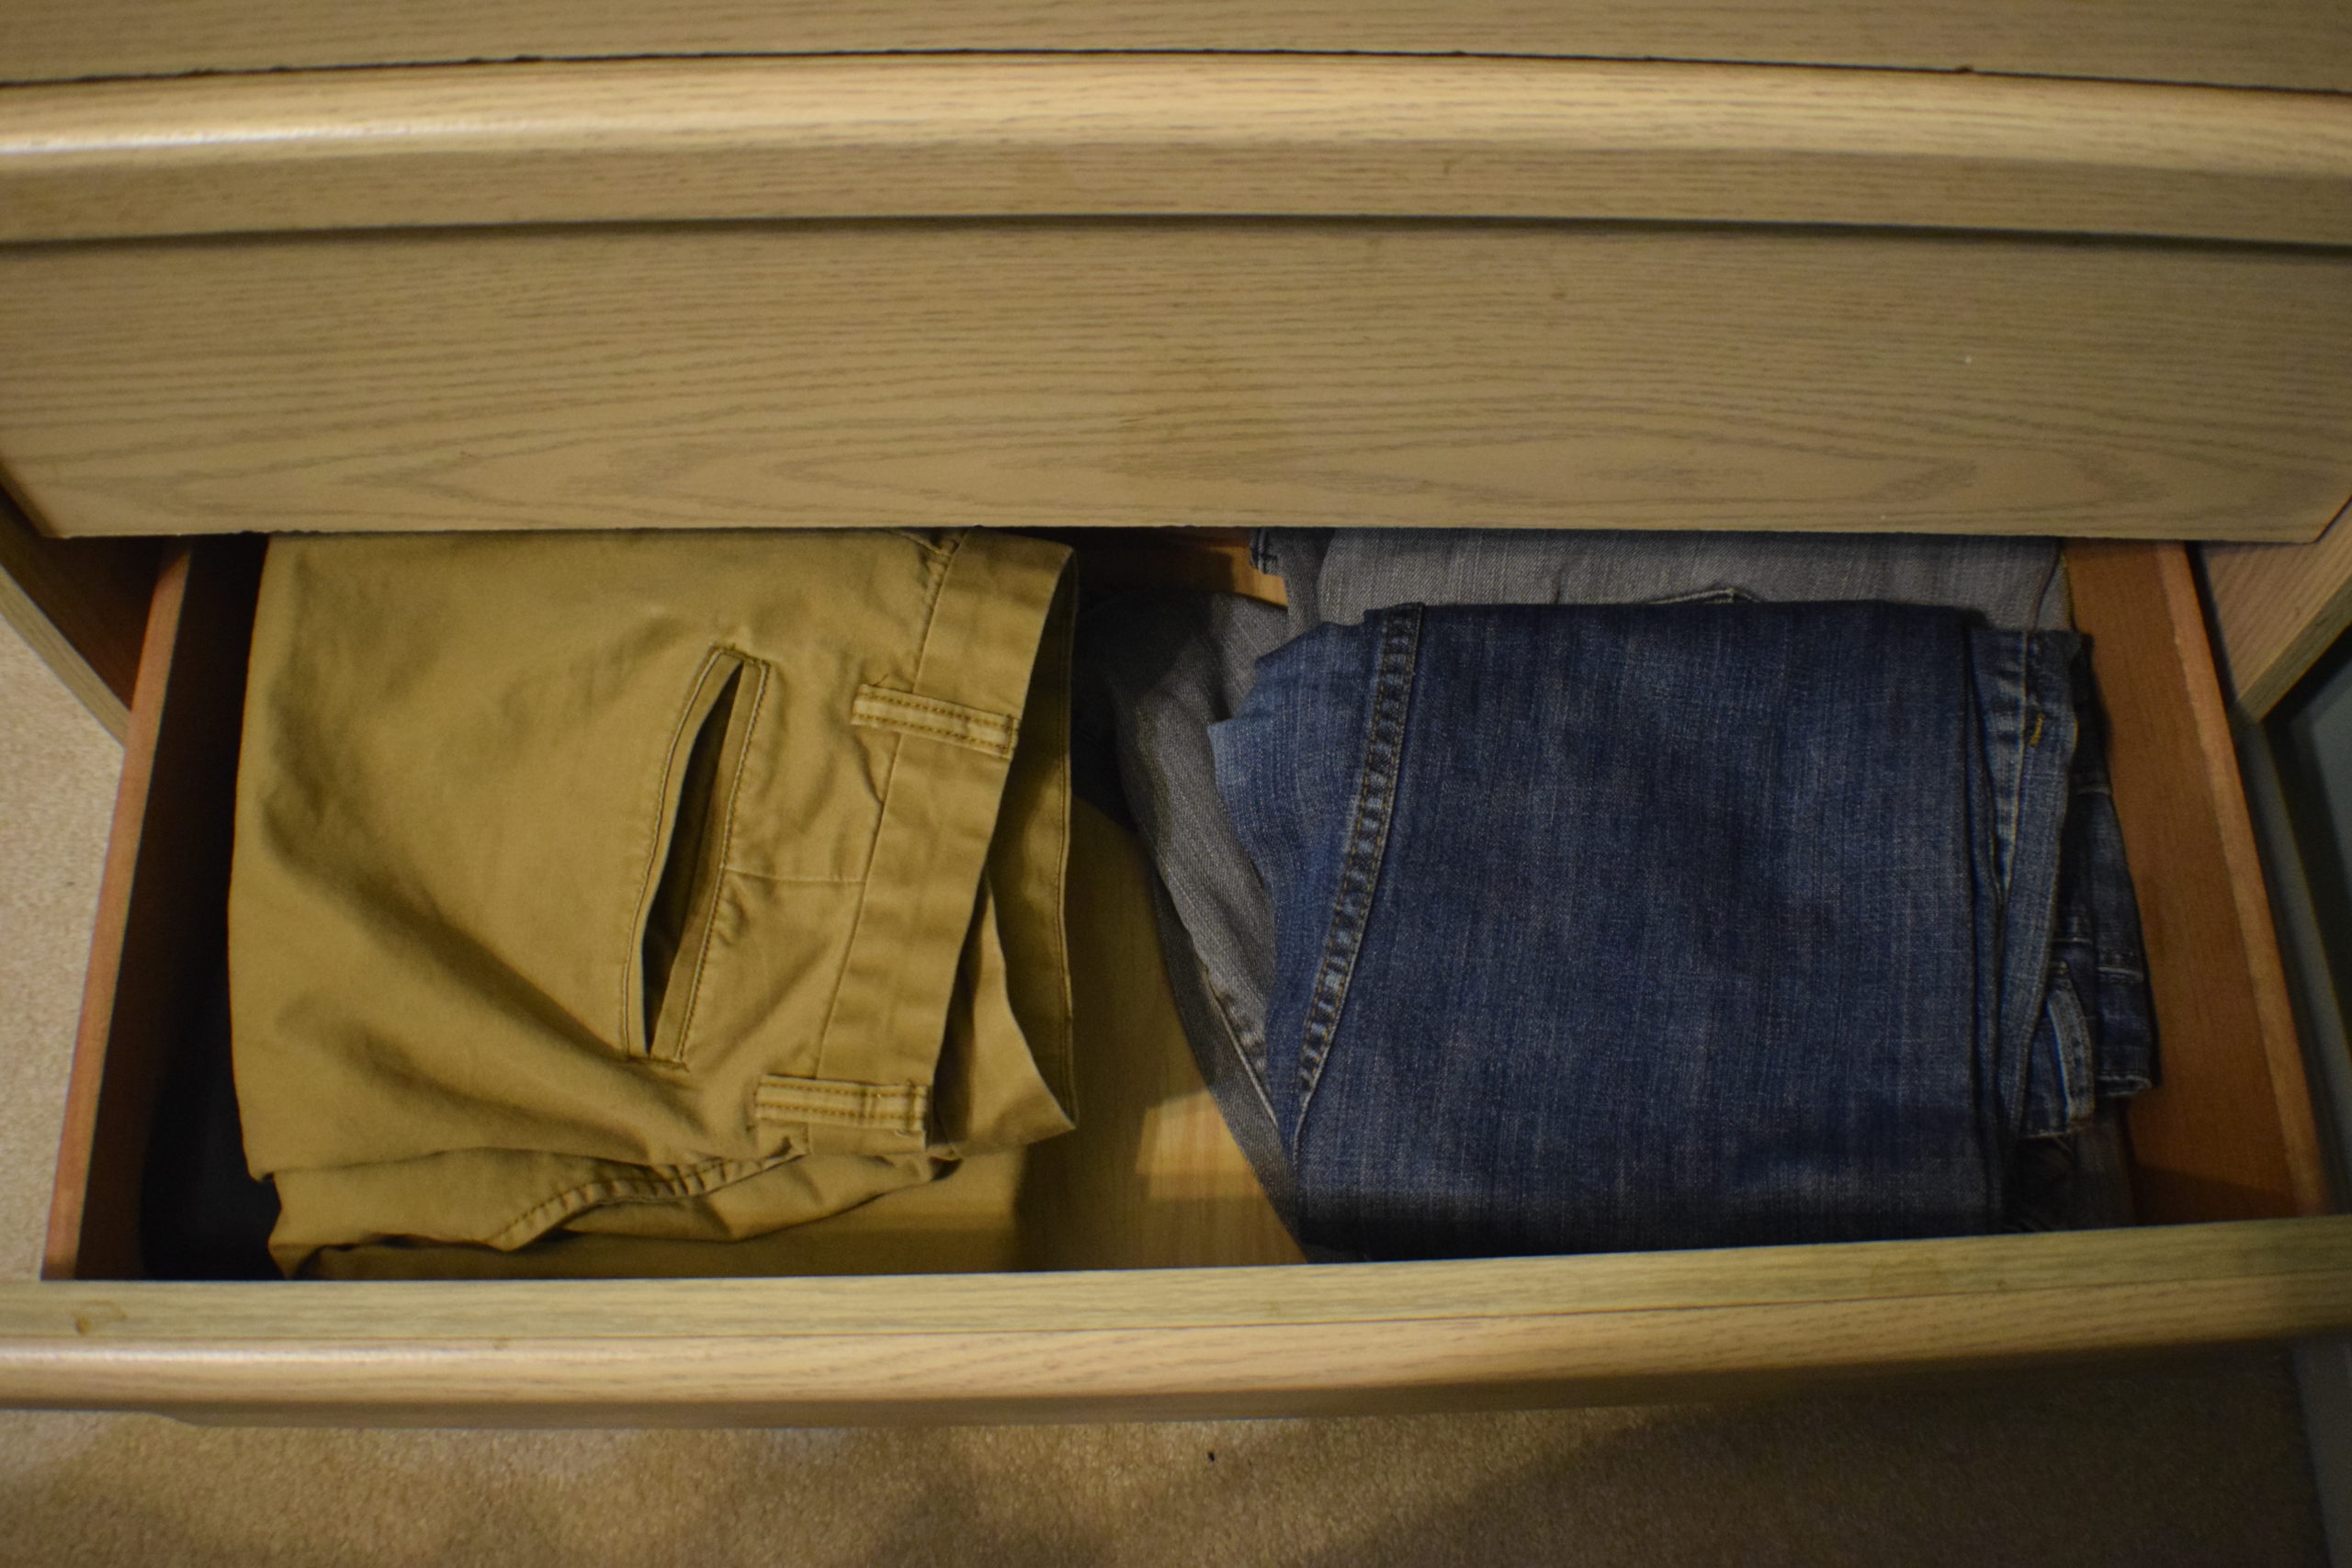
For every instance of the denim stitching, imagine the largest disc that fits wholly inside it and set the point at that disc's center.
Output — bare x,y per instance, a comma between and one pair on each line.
1367,844
2070,1029
2027,701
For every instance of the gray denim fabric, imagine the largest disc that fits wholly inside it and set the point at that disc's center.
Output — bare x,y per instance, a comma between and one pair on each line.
1336,575
1163,667
1156,670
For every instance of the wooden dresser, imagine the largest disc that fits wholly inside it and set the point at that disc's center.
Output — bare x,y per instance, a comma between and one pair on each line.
2081,269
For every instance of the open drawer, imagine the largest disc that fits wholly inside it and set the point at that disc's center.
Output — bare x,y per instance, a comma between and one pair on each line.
1088,1326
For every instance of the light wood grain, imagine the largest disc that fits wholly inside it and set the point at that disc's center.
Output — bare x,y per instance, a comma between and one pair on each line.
2277,608
1151,1179
1966,1268
2228,1132
1189,1343
2281,43
159,937
81,1194
1214,560
81,605
1223,374
1220,135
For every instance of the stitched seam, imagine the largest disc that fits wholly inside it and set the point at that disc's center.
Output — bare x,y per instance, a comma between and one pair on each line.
889,696
879,708
1065,1005
726,845
898,1108
794,881
961,737
947,561
632,938
947,558
995,742
2070,1026
2048,581
2014,808
1000,749
693,1181
2013,1094
1252,1073
1367,845
782,1087
857,919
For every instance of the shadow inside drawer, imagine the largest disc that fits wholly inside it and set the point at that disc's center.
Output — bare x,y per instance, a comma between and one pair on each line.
152,1177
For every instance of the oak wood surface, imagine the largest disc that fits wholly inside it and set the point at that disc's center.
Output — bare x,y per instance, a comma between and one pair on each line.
1215,372
2279,43
82,606
1213,560
158,938
1180,1343
1162,135
2228,1131
2277,608
1152,1179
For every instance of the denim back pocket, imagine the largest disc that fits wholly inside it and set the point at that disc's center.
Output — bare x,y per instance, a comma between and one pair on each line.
702,774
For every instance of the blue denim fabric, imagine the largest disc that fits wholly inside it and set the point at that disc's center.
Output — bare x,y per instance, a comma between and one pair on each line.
1166,666
2096,1035
2023,688
1627,927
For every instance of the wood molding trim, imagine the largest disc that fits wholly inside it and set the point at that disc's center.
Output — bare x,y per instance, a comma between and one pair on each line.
1168,135
2279,43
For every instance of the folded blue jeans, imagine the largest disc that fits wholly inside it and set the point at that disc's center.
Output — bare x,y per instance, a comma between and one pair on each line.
1164,666
1610,928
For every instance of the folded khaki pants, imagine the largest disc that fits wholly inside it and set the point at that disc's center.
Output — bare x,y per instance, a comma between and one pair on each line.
679,886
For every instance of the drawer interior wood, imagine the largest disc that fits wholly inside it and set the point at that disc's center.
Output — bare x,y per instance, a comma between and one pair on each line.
1152,1180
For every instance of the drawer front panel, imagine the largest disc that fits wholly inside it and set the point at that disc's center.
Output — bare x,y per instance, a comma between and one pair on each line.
1168,135
2284,43
1155,1344
1213,373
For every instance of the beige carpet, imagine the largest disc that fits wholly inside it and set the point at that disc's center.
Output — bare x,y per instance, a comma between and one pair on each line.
2199,1462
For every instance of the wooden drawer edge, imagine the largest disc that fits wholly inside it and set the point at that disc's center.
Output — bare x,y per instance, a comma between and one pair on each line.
1333,136
157,850
1950,1268
2285,43
2204,904
82,609
379,1353
2277,608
